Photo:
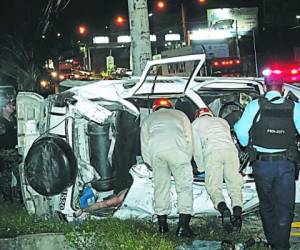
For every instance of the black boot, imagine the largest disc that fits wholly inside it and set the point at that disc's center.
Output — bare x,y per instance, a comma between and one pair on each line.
226,216
237,219
162,224
184,229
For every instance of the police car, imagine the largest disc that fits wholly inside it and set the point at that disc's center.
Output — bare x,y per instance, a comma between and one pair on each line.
88,137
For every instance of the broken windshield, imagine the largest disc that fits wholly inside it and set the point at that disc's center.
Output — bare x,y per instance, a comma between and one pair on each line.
170,76
228,104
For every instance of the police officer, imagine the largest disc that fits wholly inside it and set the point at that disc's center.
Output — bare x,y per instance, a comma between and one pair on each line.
269,124
215,152
8,153
166,145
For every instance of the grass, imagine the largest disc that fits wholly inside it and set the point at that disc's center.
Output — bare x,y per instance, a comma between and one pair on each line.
111,233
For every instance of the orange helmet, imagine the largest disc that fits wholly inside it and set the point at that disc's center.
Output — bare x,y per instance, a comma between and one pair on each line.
203,111
161,103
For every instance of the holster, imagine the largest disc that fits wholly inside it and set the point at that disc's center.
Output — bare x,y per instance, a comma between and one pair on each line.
293,155
252,153
297,167
244,160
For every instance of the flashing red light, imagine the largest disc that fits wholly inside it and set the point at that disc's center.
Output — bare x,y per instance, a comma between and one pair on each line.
201,1
294,71
237,61
216,63
287,72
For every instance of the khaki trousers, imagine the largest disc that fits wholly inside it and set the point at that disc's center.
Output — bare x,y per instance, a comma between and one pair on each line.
178,164
219,165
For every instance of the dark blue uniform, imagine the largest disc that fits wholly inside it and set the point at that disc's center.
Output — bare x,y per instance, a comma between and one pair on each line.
8,159
271,125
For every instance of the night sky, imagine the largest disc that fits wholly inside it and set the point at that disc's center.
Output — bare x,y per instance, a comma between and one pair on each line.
100,13
18,16
97,14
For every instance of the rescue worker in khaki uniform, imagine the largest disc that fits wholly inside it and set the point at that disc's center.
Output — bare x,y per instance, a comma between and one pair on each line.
166,145
269,125
8,153
216,154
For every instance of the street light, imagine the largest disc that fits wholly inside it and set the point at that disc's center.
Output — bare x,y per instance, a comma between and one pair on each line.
120,21
82,30
161,5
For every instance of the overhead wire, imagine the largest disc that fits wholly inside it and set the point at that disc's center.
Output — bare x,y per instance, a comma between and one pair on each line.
53,6
66,4
43,23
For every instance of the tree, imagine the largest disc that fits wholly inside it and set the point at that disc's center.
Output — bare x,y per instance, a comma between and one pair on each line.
19,67
30,40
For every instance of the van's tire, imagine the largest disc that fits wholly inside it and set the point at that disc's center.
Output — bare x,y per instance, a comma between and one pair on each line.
50,166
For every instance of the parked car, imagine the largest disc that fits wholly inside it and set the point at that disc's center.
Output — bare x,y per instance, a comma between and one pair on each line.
88,136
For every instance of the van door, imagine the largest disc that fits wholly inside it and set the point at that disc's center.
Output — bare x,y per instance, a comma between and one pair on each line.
160,74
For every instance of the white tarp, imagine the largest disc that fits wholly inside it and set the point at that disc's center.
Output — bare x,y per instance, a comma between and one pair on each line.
139,200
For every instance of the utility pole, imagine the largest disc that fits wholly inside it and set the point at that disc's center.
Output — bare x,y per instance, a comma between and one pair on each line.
140,35
183,24
237,40
255,54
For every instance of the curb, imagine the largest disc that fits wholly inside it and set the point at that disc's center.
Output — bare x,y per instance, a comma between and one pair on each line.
44,241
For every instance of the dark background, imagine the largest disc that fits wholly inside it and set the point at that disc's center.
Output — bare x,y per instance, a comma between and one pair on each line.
277,36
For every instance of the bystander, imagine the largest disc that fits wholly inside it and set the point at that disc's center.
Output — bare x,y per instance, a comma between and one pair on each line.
9,172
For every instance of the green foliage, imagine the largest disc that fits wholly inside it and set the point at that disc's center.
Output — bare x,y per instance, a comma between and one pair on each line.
23,53
15,221
112,233
19,64
107,233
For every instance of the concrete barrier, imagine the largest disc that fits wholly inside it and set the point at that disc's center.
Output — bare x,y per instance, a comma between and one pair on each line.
45,241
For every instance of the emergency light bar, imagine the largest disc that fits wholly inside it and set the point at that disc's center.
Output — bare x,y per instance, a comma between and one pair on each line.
289,74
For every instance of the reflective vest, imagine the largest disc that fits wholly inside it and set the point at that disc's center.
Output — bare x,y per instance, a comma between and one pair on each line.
275,128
